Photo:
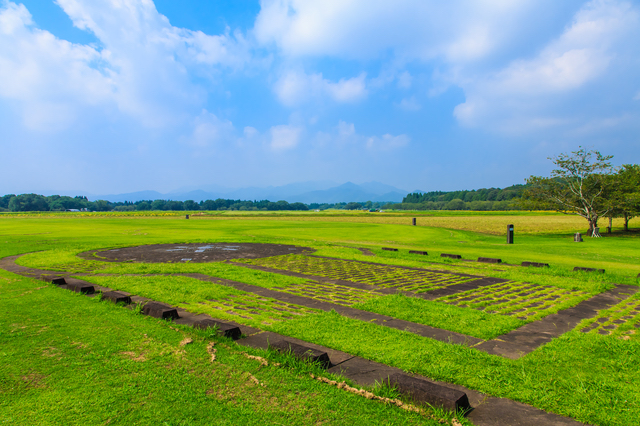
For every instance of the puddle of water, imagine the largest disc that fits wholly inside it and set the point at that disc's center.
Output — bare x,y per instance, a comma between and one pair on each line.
204,247
185,260
228,248
175,249
199,251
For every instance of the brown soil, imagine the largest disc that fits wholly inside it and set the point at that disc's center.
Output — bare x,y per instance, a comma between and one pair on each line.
199,253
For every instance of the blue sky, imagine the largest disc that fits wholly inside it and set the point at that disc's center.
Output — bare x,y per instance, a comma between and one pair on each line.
112,96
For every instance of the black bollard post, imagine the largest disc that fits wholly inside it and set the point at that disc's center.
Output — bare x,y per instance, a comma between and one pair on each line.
509,234
413,222
187,216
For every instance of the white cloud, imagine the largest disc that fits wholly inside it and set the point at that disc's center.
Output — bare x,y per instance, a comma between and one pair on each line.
49,79
424,29
409,104
141,67
209,130
284,137
345,136
405,80
347,90
524,95
387,142
346,130
250,132
295,88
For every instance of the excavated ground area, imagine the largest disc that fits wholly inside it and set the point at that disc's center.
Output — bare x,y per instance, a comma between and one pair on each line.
198,253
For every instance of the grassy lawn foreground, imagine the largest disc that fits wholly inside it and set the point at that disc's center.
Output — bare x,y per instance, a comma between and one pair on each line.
589,377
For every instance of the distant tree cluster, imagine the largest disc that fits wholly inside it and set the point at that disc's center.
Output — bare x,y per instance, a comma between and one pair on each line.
35,202
484,194
368,205
458,204
40,203
485,199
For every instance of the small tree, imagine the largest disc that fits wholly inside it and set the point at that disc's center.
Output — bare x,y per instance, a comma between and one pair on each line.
579,185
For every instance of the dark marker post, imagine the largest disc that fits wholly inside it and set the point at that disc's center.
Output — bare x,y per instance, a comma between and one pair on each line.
510,234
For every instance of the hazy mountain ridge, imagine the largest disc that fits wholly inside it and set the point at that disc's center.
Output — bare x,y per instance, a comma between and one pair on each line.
305,192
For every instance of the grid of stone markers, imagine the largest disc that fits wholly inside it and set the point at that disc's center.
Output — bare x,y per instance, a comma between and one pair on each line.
522,300
621,320
384,276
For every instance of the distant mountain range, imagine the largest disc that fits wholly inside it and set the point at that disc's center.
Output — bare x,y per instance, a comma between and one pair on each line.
306,192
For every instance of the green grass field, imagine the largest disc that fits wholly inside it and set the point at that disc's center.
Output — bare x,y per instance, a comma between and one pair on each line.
74,360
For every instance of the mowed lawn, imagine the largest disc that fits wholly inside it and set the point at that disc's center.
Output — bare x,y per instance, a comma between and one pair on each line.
589,377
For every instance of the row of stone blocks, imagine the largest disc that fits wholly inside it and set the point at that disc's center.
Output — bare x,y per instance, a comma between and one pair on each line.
152,309
494,260
419,390
424,253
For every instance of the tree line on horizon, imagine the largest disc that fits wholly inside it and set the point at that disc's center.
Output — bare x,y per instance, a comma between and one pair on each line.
41,203
484,199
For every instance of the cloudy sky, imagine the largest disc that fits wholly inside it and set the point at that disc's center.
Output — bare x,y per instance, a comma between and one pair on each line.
109,96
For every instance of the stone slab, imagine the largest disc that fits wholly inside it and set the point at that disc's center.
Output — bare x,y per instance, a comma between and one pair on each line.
223,328
389,249
451,256
159,310
264,339
53,279
422,391
363,371
502,412
535,264
81,287
116,297
424,253
489,260
302,352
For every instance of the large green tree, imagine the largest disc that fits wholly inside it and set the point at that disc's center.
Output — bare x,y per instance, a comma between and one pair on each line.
579,184
624,198
28,203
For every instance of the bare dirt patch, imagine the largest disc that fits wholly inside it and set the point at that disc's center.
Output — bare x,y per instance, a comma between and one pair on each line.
197,253
134,356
